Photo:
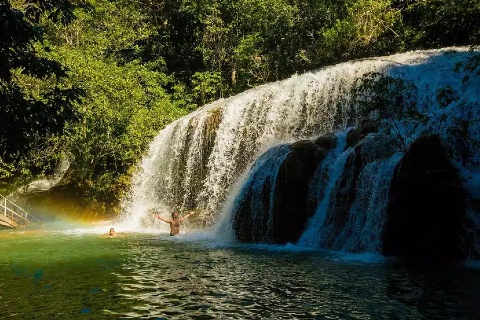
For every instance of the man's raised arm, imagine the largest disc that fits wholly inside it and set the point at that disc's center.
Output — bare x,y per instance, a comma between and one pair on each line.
188,215
157,215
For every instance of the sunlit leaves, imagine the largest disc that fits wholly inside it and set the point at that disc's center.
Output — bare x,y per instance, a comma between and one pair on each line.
442,22
30,118
368,28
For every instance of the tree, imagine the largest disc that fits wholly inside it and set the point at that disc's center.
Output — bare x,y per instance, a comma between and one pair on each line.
125,103
369,28
27,122
440,23
389,104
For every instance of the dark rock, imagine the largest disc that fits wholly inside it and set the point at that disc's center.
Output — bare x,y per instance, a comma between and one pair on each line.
291,191
426,207
327,141
249,227
288,202
302,144
253,205
336,227
356,135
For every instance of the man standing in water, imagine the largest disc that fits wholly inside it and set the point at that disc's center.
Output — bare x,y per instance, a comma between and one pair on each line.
174,222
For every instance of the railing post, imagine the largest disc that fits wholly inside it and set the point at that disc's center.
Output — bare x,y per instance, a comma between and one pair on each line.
17,217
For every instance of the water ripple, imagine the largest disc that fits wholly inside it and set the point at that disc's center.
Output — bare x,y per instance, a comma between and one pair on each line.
143,278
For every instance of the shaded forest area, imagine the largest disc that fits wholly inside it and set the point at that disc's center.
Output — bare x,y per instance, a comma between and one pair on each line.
93,81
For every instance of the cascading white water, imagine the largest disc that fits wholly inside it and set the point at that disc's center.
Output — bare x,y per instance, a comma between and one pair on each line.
157,184
195,161
261,184
297,108
368,213
331,169
362,229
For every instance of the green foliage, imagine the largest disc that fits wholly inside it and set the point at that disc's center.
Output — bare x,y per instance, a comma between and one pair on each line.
473,65
446,95
125,104
99,79
440,23
390,104
369,28
207,86
104,27
251,67
248,43
124,108
462,140
29,121
469,68
461,133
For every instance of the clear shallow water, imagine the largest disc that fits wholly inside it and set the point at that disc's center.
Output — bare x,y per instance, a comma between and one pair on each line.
84,275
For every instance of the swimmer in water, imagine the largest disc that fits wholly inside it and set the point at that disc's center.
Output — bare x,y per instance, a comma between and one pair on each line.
174,222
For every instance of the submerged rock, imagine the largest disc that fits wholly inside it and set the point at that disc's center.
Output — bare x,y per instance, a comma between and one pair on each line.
427,206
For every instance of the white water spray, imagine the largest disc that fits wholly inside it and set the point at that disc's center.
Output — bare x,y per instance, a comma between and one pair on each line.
195,162
332,167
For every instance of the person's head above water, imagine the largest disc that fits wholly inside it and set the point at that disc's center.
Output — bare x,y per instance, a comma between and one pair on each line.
175,215
111,233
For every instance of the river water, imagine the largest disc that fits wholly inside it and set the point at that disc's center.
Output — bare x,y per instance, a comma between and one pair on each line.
82,274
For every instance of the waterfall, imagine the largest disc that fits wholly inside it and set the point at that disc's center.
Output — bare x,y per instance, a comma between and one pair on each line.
195,161
259,188
362,229
198,161
322,186
169,176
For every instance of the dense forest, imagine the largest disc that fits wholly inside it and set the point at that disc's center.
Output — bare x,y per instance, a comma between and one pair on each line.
92,81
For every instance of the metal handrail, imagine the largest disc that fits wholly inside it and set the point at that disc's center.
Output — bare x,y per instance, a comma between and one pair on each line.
11,214
23,217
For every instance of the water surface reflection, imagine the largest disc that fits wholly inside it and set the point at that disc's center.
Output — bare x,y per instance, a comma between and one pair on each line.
60,275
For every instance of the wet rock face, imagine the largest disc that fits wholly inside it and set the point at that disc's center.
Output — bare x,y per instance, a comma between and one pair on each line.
338,214
426,207
356,135
291,191
289,201
348,187
327,141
